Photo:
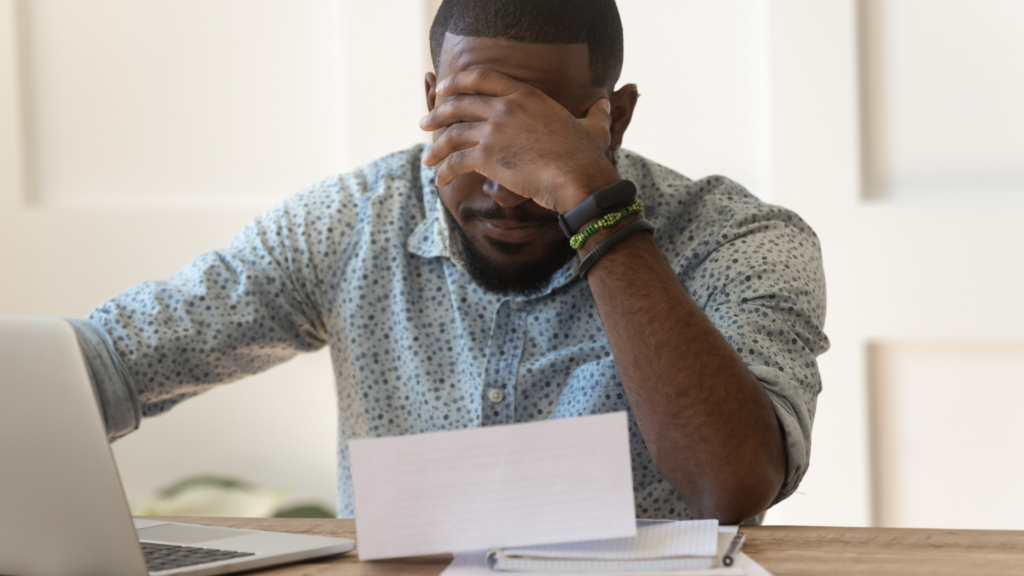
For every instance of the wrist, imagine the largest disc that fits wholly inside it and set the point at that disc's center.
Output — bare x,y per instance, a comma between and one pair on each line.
580,189
618,236
600,235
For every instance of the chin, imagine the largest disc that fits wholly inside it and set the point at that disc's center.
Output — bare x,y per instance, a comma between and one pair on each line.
522,269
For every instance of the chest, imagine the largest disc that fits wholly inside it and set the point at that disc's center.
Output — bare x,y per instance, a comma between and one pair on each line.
427,346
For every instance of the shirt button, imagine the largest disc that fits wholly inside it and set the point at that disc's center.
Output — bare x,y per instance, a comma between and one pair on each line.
515,304
496,395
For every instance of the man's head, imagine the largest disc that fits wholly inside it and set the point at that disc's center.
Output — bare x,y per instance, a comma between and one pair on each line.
594,23
569,49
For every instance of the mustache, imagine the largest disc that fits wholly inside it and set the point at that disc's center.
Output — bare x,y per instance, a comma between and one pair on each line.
519,214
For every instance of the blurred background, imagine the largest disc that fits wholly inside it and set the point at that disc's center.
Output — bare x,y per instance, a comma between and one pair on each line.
137,135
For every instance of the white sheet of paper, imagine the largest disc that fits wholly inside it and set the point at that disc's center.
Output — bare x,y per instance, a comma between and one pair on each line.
538,483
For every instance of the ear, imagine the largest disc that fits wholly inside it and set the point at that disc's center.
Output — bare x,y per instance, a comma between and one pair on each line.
623,102
430,83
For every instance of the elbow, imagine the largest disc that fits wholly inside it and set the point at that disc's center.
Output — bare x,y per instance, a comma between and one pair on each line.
727,512
737,499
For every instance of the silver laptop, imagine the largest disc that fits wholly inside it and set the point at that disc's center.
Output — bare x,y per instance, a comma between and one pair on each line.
62,507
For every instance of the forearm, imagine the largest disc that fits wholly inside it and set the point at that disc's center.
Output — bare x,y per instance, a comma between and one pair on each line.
707,422
226,315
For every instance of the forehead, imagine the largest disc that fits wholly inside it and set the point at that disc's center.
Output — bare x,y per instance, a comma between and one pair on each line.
562,71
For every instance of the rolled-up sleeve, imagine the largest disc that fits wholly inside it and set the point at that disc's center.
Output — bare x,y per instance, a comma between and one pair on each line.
759,278
115,392
228,314
771,309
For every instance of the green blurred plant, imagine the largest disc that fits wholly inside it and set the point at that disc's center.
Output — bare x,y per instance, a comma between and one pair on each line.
217,496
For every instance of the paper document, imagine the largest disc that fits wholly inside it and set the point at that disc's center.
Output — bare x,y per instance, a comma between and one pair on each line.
658,545
475,564
539,483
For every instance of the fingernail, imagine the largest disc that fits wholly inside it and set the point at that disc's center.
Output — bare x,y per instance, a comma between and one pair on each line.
606,106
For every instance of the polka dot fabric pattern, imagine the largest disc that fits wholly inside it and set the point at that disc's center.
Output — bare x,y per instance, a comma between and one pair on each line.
365,264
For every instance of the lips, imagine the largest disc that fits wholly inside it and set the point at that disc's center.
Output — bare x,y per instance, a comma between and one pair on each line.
510,231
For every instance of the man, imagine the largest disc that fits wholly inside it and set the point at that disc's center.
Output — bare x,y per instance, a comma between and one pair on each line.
448,292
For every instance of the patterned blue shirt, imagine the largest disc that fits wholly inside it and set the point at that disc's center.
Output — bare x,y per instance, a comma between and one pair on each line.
365,263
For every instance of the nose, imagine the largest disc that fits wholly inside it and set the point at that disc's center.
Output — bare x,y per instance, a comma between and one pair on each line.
503,196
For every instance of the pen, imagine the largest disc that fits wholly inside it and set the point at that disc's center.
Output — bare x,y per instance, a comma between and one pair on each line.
734,548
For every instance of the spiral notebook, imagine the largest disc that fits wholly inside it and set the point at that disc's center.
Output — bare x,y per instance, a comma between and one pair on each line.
657,546
612,557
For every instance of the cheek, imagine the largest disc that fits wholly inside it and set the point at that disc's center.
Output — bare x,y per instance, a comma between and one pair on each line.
454,194
466,189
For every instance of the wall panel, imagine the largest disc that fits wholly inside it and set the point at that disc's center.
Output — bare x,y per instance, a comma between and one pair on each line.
179,103
946,436
943,83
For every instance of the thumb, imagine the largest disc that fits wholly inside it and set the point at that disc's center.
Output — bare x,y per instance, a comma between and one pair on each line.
601,113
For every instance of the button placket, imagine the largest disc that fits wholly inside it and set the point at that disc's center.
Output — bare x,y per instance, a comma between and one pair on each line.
514,345
505,351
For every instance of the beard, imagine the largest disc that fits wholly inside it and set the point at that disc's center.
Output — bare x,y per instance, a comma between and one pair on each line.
520,278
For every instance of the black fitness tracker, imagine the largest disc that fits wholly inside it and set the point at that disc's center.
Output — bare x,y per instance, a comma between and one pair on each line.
605,201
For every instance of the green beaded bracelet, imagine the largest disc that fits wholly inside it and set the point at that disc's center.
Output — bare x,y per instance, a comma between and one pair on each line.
606,221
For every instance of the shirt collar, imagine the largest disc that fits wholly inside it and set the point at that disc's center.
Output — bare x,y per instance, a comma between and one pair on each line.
432,237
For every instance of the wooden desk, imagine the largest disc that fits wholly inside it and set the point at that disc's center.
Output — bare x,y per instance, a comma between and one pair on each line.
783,550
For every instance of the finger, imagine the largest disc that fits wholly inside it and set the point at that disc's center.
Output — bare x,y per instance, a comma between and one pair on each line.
479,81
599,122
457,137
462,108
457,163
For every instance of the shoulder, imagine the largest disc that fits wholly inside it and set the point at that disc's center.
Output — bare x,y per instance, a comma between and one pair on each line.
695,218
343,203
397,175
338,214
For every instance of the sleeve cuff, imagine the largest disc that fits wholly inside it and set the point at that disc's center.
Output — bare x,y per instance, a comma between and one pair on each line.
113,385
796,430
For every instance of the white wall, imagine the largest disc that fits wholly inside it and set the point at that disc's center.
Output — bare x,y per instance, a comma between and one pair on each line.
135,136
702,71
182,103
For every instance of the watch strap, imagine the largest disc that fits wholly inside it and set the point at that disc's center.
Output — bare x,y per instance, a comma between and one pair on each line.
606,200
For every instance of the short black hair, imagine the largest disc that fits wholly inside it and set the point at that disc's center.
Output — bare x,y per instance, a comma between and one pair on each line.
595,23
